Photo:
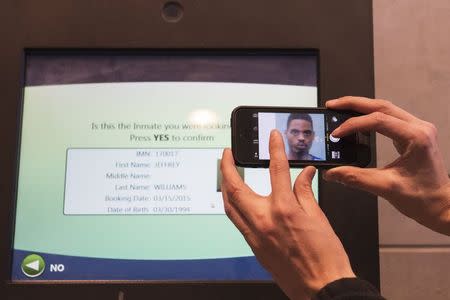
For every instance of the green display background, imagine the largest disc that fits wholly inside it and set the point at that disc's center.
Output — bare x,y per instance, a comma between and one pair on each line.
59,117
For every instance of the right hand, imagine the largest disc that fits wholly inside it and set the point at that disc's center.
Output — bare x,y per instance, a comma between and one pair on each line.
416,183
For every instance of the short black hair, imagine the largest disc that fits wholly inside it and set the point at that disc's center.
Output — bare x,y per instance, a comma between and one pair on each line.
299,116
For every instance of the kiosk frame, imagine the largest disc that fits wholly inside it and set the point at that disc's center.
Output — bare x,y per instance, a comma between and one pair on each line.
342,32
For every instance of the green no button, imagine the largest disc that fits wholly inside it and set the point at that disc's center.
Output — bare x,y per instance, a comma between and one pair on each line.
33,265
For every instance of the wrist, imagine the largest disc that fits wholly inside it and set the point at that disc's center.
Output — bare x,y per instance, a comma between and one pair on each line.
329,278
444,216
348,288
441,218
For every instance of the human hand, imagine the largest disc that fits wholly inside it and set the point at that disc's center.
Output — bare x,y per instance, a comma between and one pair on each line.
416,183
287,231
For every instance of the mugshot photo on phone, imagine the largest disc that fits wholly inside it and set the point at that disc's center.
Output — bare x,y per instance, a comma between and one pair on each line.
303,133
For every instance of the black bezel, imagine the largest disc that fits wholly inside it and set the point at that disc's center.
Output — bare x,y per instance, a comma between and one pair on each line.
340,30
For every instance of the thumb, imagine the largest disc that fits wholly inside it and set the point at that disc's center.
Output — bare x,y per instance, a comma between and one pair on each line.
371,180
303,190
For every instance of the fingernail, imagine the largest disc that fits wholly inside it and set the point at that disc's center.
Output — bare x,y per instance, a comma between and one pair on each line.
336,132
273,132
225,150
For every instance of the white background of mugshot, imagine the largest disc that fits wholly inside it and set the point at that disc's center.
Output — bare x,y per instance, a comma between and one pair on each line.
269,121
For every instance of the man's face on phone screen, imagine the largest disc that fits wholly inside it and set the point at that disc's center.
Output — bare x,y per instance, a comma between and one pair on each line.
300,136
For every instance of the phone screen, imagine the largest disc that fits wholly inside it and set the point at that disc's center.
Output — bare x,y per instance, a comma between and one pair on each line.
306,133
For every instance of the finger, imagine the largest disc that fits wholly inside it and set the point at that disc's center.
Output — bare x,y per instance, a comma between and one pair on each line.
367,106
237,191
237,218
374,181
387,125
280,177
303,190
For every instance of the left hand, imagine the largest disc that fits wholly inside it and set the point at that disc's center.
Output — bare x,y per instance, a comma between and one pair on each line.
287,231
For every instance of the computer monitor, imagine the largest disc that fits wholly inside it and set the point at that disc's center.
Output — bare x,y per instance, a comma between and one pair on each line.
121,125
119,161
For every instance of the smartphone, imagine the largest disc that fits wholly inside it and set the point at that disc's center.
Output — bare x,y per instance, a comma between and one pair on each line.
306,133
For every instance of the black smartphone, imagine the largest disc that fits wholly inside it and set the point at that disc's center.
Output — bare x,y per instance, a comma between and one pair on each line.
307,137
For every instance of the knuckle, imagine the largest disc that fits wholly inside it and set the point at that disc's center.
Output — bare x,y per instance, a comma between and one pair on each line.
279,166
277,211
426,136
265,227
378,117
259,215
383,105
395,187
281,212
303,187
351,179
289,214
430,130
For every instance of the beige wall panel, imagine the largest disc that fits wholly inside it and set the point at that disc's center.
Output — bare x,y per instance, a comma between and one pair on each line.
412,69
415,274
397,229
412,62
